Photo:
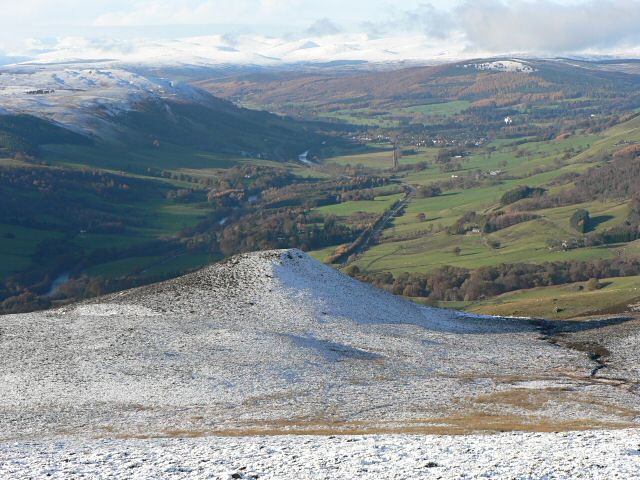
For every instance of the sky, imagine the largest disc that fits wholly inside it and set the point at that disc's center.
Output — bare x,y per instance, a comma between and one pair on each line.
544,27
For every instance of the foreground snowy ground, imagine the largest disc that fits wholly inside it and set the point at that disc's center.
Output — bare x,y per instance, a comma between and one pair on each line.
603,454
277,343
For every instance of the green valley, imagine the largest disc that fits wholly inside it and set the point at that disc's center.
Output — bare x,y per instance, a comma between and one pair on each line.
508,185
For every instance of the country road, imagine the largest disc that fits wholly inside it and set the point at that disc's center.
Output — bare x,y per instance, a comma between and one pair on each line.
381,224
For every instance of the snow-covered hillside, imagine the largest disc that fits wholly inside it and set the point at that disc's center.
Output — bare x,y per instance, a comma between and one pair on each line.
503,66
83,99
277,342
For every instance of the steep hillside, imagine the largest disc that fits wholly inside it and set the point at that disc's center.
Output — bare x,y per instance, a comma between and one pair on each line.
23,134
276,342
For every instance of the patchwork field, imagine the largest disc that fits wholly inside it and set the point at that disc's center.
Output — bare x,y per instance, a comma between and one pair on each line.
344,209
420,239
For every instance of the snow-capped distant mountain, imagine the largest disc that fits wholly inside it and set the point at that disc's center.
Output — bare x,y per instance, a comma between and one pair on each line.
263,50
252,50
266,50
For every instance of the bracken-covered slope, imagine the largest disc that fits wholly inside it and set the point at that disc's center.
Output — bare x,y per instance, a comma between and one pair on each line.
274,342
502,81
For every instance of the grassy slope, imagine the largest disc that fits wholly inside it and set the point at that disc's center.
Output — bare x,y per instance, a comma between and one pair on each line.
446,109
135,158
391,118
156,217
566,301
111,157
378,205
151,265
627,131
135,155
15,253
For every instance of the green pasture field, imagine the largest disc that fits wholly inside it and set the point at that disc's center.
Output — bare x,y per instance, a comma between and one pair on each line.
182,263
121,159
345,209
361,116
423,255
446,109
122,267
152,266
323,253
16,253
614,139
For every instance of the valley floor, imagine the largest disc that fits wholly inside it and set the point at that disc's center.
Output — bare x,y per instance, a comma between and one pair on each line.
592,455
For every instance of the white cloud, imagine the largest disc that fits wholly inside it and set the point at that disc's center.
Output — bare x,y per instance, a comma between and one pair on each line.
536,26
550,26
194,12
323,27
479,26
153,12
71,47
426,18
272,6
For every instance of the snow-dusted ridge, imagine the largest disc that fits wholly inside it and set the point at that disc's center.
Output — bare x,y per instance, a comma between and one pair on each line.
84,98
512,66
277,342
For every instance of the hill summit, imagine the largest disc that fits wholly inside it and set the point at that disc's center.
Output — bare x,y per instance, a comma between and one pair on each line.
278,289
271,342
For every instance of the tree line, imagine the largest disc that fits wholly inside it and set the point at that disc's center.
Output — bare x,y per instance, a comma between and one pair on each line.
450,283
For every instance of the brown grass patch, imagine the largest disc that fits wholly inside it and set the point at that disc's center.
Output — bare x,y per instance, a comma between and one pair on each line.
528,399
451,425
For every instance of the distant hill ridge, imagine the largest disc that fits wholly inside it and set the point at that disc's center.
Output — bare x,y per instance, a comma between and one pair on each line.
121,107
